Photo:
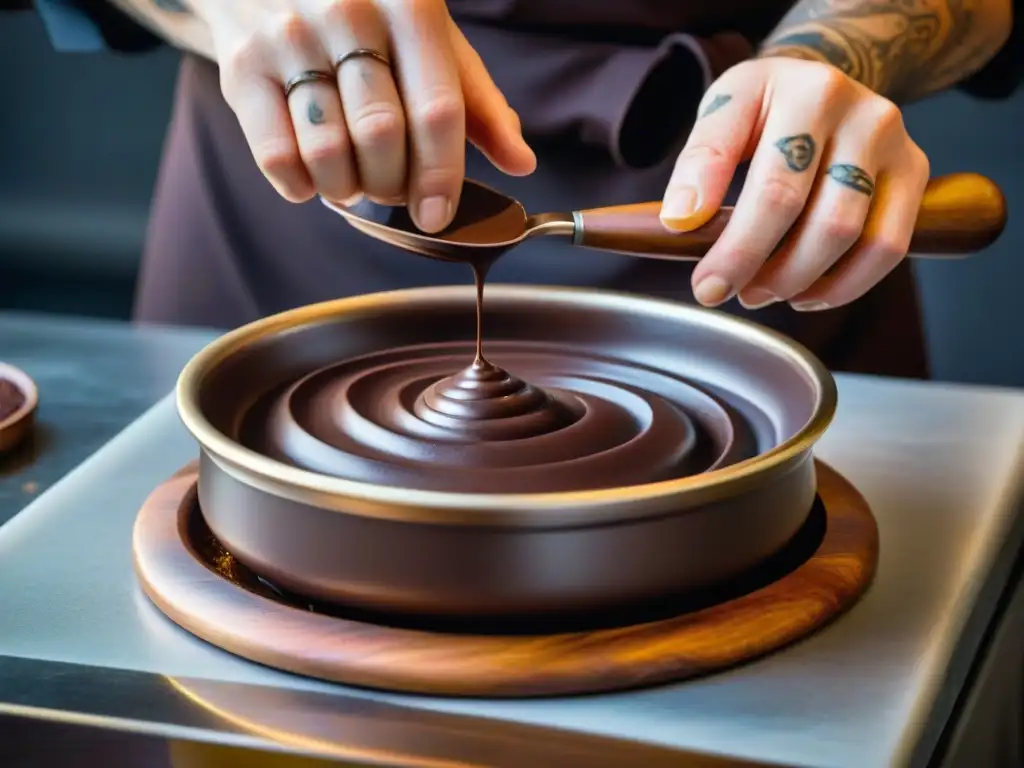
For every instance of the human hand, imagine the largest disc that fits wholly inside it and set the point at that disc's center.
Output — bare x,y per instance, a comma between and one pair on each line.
831,196
390,122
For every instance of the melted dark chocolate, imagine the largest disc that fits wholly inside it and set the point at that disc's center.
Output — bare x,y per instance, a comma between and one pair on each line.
417,417
11,398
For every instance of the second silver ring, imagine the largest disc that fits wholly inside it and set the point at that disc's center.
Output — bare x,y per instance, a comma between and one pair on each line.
309,76
362,53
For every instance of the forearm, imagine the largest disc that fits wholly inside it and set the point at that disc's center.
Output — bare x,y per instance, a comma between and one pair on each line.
173,21
902,49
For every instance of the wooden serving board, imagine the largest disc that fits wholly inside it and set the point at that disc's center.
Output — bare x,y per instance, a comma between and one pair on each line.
204,590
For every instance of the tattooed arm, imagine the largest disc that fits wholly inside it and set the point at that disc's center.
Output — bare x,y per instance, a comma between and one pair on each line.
902,49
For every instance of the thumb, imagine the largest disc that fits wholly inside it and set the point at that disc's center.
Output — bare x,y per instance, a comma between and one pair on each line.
491,124
705,168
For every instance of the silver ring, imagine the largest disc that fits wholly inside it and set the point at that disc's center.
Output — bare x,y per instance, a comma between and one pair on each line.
309,76
362,53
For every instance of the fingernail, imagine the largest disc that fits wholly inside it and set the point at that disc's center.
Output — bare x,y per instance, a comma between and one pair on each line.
809,306
434,213
680,204
712,290
756,298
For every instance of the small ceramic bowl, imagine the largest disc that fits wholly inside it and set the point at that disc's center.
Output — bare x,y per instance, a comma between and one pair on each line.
15,427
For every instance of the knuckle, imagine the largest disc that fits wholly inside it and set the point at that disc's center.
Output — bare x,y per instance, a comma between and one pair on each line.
739,72
277,158
292,30
831,83
324,149
341,189
789,280
782,197
840,229
743,262
345,12
919,160
888,248
430,181
888,117
378,126
295,193
440,113
702,153
244,57
421,7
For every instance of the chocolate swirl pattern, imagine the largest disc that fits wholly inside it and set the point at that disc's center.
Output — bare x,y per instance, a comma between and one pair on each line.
416,417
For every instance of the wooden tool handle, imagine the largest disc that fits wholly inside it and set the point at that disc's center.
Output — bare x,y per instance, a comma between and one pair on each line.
961,213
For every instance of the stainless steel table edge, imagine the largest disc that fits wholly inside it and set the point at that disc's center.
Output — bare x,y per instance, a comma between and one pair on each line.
949,694
358,730
53,690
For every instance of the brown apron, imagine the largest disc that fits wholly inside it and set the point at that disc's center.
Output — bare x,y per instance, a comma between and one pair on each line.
606,93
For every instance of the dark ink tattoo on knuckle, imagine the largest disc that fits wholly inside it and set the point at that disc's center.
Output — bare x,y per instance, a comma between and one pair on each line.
315,113
719,101
853,177
798,151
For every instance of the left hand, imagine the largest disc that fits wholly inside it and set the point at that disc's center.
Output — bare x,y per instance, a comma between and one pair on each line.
831,197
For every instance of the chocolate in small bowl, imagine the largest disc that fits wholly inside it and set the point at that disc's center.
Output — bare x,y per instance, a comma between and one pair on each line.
18,400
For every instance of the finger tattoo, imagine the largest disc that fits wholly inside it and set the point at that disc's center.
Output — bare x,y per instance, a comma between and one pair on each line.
315,113
853,177
798,150
716,104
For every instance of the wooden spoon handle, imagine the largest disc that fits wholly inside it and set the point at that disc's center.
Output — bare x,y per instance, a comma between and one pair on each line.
961,213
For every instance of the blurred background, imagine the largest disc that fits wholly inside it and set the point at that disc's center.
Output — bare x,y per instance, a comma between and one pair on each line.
80,141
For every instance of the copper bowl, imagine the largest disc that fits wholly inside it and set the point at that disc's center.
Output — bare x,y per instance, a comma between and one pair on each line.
408,551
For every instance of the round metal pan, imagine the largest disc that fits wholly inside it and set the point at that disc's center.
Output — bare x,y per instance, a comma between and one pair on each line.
437,553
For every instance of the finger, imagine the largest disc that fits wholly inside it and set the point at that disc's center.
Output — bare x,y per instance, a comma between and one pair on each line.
884,243
871,135
252,88
727,118
429,83
833,221
774,194
316,113
491,124
373,108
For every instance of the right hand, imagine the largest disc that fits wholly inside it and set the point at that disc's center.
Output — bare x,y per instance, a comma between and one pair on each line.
397,134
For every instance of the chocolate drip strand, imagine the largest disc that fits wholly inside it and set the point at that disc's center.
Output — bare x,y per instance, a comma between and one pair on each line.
418,417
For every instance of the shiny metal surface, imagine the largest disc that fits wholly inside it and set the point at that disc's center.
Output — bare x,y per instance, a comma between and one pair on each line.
939,465
572,552
789,363
94,378
359,731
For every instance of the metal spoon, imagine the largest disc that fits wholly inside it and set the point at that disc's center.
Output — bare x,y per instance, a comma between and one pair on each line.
961,213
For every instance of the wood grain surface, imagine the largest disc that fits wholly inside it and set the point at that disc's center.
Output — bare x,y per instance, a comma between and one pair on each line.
961,213
209,594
